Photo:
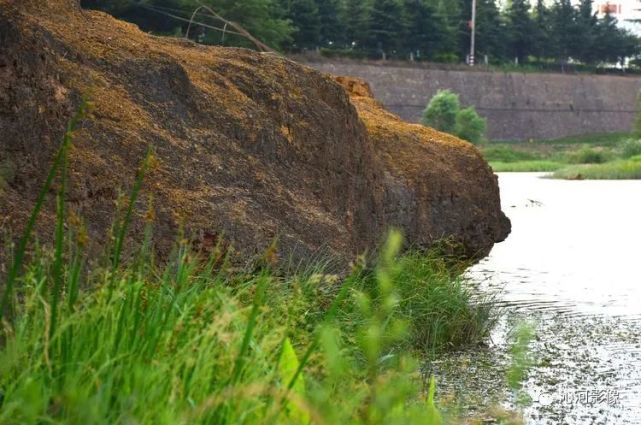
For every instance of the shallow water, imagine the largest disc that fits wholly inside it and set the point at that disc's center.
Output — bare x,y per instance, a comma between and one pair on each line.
571,265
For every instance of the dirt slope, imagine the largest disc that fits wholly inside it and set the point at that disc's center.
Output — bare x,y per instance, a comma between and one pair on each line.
248,145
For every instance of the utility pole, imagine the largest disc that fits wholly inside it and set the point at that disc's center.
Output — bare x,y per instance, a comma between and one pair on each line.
473,28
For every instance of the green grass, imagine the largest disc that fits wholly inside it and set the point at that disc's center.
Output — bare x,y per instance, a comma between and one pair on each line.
508,153
601,139
599,156
623,169
525,166
187,343
194,340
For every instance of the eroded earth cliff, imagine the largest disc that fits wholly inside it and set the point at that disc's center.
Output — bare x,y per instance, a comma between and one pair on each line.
249,146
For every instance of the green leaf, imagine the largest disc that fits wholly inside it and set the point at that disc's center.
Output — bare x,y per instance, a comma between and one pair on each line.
287,367
433,415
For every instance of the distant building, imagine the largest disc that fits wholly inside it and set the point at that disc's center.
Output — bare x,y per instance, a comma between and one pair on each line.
628,13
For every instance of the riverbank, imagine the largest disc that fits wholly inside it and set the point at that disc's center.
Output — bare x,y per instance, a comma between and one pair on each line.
198,341
609,156
580,287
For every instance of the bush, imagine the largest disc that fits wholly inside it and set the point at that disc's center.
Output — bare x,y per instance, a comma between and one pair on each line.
631,148
442,110
505,153
470,126
444,113
588,155
637,121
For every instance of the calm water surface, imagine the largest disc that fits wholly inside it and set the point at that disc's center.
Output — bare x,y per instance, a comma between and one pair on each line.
573,243
572,266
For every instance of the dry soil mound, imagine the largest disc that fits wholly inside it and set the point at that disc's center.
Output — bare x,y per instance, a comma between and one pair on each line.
249,145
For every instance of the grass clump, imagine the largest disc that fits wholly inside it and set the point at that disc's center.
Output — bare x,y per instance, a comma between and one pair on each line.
195,341
622,169
186,343
507,153
573,157
587,155
526,166
630,148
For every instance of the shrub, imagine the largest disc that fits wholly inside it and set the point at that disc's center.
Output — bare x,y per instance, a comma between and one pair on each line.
630,148
442,110
470,126
637,121
444,113
588,155
505,153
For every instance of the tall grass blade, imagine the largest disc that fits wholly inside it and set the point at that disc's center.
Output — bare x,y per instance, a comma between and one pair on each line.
19,255
121,228
287,368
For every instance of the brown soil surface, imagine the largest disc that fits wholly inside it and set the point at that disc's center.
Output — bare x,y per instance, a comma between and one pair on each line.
250,146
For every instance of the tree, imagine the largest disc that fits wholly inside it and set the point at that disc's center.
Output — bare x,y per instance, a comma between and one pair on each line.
441,111
304,16
614,44
586,24
490,34
385,26
519,30
541,36
332,31
470,125
564,30
356,21
424,29
264,19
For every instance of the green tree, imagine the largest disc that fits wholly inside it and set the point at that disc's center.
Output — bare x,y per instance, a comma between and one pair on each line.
385,26
442,110
356,21
565,36
614,44
264,19
305,18
332,30
449,13
470,125
519,30
541,35
586,24
490,31
424,29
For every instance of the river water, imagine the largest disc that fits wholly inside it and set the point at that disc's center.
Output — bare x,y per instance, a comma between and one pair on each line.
572,267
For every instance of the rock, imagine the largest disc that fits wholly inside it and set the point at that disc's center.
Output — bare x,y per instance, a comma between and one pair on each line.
436,186
249,146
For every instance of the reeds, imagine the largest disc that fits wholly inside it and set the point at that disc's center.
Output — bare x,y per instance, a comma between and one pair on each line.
197,342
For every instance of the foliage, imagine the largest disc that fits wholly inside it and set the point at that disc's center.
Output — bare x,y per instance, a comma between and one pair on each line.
470,125
193,340
503,153
637,118
444,113
630,148
304,15
520,27
552,155
442,110
587,155
438,30
525,166
623,169
522,361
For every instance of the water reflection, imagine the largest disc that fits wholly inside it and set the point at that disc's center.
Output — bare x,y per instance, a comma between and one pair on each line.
574,244
572,264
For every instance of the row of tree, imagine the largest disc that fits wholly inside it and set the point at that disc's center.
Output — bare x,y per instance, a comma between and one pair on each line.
436,30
